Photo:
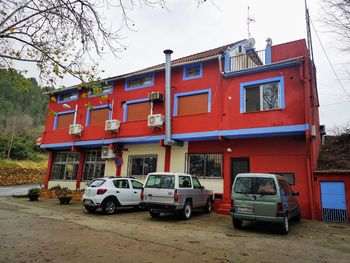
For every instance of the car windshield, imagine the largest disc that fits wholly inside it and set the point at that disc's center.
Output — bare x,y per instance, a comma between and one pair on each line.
165,181
97,182
255,185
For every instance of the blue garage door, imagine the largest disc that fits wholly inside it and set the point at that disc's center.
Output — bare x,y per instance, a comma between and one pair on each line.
333,202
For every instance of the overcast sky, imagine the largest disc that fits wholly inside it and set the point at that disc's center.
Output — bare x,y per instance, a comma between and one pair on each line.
187,29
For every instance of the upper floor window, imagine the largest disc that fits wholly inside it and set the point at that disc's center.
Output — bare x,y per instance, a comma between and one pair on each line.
262,95
193,71
101,91
193,102
98,115
66,97
139,82
136,110
63,119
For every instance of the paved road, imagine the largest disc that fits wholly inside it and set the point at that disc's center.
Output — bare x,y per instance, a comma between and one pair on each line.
16,189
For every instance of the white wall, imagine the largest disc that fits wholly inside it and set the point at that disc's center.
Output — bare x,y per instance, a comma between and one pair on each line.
110,168
177,158
216,185
71,184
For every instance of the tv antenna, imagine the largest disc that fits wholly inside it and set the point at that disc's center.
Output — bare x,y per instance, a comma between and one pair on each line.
249,20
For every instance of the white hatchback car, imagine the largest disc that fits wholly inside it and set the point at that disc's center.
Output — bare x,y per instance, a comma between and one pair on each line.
112,192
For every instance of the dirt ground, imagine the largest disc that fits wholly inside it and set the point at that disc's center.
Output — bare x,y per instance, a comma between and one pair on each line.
47,232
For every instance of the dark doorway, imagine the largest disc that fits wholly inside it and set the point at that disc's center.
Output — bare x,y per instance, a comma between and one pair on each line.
239,165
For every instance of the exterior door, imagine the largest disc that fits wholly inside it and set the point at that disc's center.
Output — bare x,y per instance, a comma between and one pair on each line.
239,165
333,202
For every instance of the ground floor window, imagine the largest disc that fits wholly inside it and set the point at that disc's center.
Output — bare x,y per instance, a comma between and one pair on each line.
290,177
65,166
205,165
142,164
94,166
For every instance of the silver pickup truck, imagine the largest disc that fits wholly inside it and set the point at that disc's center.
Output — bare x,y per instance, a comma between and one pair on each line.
174,192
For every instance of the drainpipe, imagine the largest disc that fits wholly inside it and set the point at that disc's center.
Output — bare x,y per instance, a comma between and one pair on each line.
168,140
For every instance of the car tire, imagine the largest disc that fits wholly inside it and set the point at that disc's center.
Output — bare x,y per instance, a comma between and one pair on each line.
109,207
90,209
297,216
186,212
154,214
208,206
284,228
237,223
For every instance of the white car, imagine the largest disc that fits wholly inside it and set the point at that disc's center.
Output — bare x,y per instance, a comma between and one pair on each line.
112,192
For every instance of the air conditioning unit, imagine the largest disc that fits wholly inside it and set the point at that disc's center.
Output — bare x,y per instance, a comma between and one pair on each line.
112,125
75,129
156,96
155,120
107,153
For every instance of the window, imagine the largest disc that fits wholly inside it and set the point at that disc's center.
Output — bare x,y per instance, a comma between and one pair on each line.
66,97
136,184
100,91
284,188
124,184
290,177
63,120
193,71
243,185
142,164
65,166
262,95
94,166
204,165
196,183
184,182
136,110
139,82
264,186
98,115
194,102
163,181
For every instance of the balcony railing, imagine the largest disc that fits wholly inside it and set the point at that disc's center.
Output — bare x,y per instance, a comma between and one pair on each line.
251,59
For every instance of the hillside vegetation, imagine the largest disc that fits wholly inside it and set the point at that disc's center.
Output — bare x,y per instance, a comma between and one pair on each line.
23,110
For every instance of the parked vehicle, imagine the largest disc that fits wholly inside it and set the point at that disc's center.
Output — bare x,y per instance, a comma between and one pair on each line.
112,192
174,192
263,197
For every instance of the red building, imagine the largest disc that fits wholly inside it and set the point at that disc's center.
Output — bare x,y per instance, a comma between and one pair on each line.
231,109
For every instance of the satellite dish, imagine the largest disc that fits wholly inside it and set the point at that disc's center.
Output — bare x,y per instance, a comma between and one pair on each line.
250,43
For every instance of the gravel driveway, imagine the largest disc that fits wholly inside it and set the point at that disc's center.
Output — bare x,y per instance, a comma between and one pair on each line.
47,232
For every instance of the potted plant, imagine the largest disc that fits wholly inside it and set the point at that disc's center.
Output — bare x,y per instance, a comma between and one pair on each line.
64,195
33,194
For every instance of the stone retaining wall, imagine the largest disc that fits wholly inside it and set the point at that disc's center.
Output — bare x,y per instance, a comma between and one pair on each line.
18,175
48,193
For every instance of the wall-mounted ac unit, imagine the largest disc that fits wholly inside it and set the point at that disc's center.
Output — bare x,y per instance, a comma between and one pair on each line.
75,129
155,120
107,153
112,125
156,96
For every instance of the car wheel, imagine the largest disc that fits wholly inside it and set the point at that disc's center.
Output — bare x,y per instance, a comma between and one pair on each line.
154,214
187,211
285,226
237,223
208,206
109,207
90,209
297,216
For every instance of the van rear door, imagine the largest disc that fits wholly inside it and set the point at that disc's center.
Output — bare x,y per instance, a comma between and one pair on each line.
159,188
266,196
242,195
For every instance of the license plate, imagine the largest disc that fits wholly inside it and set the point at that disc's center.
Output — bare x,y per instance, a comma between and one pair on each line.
244,209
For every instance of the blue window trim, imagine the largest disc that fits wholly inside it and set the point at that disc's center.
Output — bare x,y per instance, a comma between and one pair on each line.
258,82
96,108
103,93
139,76
189,93
64,93
61,113
187,67
125,114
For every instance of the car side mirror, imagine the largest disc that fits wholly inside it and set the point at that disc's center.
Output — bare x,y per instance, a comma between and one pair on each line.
295,193
202,187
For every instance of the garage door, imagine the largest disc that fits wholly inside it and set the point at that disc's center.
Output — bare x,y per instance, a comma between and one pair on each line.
333,202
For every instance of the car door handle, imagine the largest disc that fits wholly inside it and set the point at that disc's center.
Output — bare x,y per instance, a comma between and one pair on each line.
117,192
150,195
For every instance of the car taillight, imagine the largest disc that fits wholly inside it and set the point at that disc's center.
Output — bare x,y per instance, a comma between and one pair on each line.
101,191
176,196
232,204
280,207
142,195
